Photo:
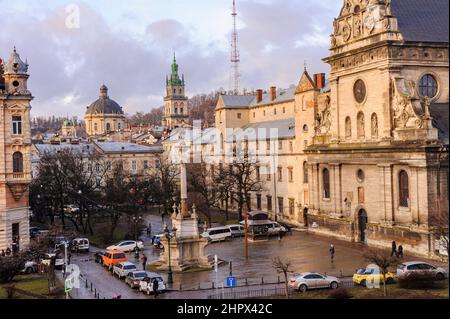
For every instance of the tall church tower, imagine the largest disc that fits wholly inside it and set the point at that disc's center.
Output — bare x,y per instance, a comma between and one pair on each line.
176,112
15,153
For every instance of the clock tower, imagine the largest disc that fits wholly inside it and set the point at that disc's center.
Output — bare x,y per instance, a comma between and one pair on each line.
176,113
15,155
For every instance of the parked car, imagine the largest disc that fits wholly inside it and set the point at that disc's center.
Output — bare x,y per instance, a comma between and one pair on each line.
36,231
122,269
217,234
98,257
372,274
127,246
59,262
237,230
276,229
112,258
133,279
30,267
80,245
146,284
307,281
410,267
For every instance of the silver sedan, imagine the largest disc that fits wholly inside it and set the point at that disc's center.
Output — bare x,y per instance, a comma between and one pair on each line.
308,280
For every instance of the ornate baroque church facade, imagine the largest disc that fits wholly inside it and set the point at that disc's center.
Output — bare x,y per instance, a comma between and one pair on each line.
15,158
363,155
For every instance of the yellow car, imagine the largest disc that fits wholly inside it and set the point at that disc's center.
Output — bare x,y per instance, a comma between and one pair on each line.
372,276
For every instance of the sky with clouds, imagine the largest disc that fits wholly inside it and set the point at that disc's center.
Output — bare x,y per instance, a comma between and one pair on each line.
128,45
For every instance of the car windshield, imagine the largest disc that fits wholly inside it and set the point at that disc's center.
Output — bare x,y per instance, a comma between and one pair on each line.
158,279
360,271
140,274
371,271
128,267
119,256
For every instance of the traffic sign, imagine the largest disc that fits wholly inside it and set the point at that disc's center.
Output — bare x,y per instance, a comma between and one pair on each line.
231,281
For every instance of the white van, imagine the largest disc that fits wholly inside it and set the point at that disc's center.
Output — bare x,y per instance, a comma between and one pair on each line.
237,230
276,229
80,245
217,234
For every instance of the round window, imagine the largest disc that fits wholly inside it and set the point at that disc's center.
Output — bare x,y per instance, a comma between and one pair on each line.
359,91
16,83
360,175
428,86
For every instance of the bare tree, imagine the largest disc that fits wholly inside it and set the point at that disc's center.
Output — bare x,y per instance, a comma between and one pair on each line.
283,267
384,260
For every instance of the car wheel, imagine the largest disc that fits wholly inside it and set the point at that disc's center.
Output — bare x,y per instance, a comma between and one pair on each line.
364,283
302,288
29,270
334,285
440,276
389,281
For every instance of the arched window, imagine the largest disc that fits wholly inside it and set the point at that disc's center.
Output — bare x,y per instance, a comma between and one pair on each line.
348,128
374,125
108,127
326,183
361,126
305,128
404,189
17,162
305,172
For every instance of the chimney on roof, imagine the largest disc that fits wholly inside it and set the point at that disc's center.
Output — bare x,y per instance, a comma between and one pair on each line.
319,79
273,93
259,95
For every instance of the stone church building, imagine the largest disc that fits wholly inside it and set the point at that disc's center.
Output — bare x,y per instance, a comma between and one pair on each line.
15,158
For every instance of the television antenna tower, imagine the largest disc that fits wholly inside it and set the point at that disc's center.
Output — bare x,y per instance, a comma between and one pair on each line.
235,55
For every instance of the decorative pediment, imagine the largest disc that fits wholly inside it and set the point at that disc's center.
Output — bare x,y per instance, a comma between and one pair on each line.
305,83
359,19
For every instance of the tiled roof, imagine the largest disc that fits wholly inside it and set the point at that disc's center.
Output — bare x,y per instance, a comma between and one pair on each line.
75,149
264,130
282,96
422,20
119,147
237,101
246,101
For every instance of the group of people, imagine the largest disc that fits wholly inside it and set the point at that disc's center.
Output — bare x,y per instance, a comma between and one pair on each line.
7,252
397,251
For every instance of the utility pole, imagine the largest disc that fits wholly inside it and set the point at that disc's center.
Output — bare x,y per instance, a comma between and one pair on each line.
235,55
244,210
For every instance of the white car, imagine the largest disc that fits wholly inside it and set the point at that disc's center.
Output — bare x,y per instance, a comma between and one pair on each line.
237,230
276,229
122,269
59,263
146,284
127,246
80,245
309,280
421,267
30,267
217,234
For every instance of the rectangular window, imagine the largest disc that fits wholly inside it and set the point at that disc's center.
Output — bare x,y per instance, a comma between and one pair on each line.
280,205
291,146
134,166
275,111
280,174
291,206
280,145
145,164
268,145
284,110
17,125
269,203
239,115
291,174
258,173
258,202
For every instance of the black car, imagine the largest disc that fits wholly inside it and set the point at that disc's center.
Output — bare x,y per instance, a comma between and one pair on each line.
98,257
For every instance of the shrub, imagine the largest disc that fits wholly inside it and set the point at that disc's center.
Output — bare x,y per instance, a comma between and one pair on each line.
9,268
419,280
340,293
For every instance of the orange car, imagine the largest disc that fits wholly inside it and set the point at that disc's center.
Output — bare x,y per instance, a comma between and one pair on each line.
113,257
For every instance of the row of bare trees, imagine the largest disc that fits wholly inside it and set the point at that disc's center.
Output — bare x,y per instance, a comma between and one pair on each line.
74,188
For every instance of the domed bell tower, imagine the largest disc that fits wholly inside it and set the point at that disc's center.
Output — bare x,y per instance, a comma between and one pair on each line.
15,155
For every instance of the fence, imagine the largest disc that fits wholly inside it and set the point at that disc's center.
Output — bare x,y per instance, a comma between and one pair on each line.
262,292
89,286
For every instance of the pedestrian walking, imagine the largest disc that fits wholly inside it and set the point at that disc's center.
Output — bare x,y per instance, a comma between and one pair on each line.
332,252
69,257
155,286
394,249
400,251
149,229
144,261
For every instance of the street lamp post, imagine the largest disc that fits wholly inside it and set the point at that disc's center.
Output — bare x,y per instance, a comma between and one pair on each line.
169,237
136,222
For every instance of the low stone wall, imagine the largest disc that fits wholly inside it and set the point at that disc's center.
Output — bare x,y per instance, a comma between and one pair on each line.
331,227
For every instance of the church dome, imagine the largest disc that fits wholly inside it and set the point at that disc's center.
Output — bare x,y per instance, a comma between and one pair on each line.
104,105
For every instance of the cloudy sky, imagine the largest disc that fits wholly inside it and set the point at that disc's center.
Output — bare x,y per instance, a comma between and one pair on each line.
128,46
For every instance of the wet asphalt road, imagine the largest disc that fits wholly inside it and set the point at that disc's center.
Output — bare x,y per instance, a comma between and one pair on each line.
306,252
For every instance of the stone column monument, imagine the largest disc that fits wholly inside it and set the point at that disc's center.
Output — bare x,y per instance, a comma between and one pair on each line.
186,247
